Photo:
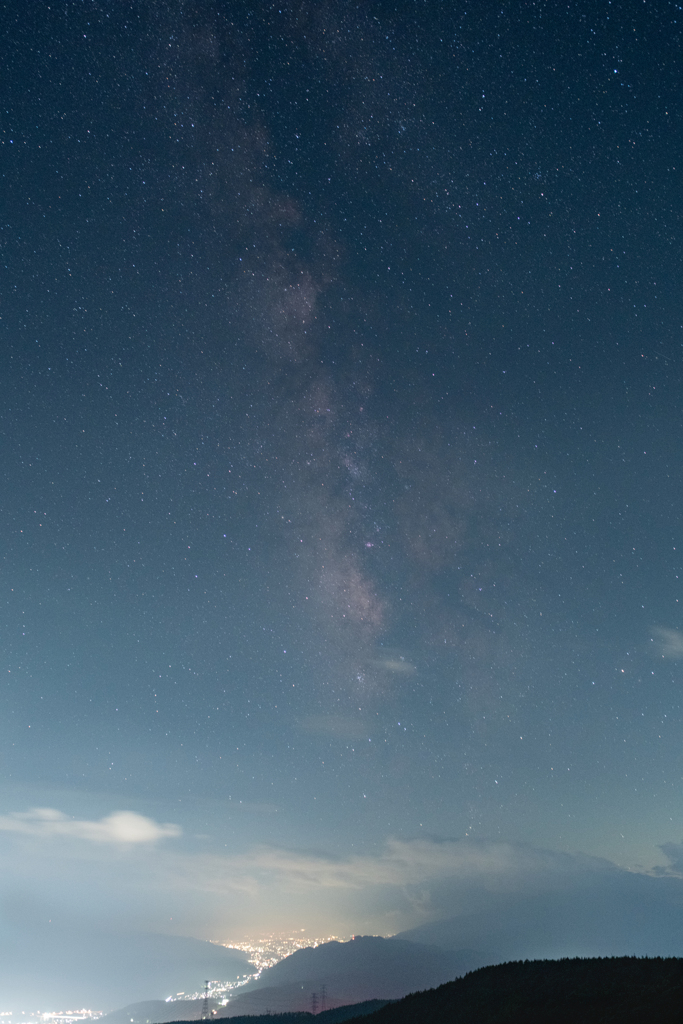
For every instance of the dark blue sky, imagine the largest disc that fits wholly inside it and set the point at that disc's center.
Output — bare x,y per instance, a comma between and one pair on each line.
341,425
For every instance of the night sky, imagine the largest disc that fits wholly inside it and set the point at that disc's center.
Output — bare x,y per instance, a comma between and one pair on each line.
340,356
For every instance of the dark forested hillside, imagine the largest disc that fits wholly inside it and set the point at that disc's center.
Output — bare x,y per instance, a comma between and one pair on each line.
619,990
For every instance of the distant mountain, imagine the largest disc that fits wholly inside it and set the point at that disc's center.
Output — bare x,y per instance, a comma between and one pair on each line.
367,967
624,914
620,990
70,966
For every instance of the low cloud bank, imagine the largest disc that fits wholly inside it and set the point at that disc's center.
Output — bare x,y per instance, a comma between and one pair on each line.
402,864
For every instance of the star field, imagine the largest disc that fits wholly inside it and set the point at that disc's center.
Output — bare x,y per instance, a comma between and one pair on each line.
341,371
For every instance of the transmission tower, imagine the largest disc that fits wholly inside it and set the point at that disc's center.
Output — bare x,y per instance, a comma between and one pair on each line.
323,998
205,1004
314,1002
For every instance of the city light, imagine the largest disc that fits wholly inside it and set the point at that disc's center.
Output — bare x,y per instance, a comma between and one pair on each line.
263,953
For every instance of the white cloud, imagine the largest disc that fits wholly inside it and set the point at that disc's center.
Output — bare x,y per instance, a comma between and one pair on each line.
395,664
674,854
401,864
126,827
669,642
412,862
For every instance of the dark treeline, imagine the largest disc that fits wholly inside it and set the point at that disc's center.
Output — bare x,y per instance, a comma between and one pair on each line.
616,990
